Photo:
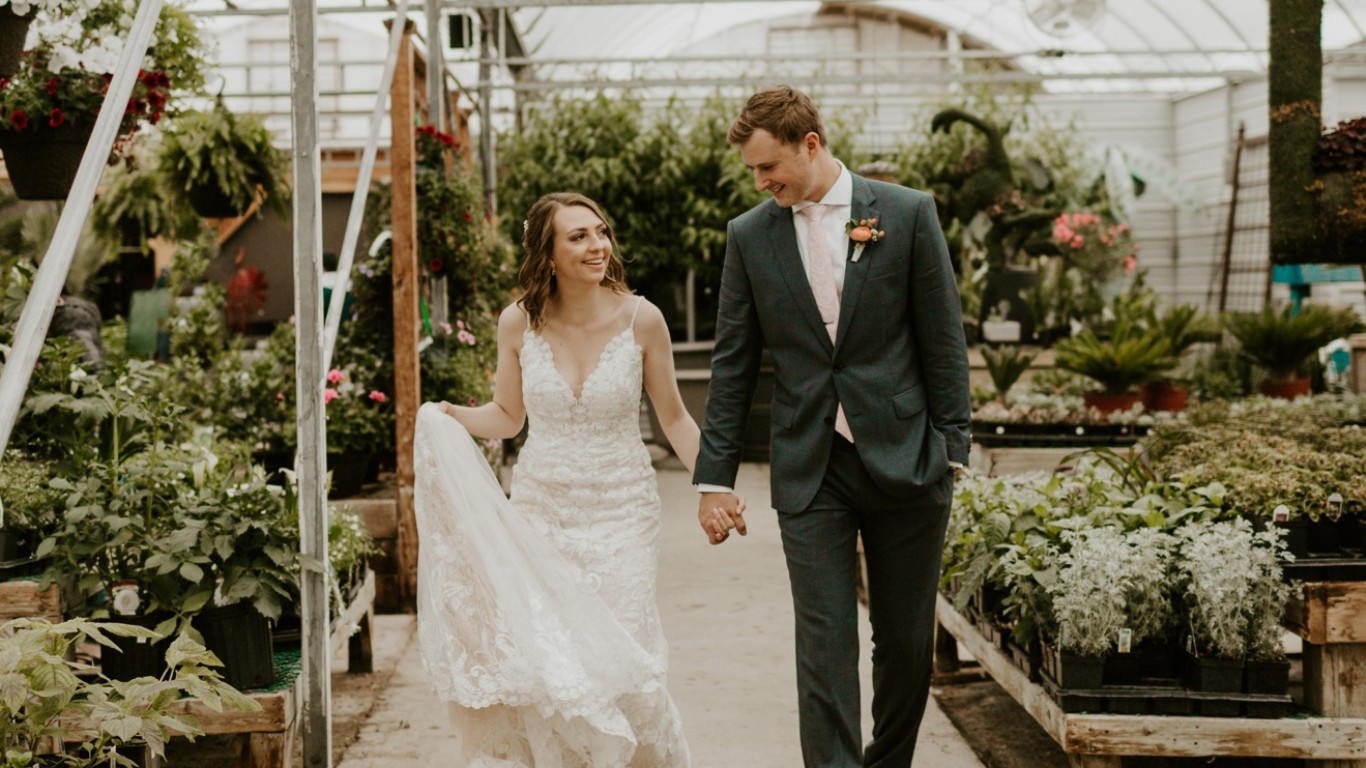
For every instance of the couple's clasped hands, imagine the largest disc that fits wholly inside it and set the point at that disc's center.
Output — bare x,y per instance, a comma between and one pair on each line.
719,514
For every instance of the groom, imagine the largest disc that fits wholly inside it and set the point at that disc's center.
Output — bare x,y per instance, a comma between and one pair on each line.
847,282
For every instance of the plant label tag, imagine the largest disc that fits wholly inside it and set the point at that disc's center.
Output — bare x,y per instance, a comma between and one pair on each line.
1126,640
1281,514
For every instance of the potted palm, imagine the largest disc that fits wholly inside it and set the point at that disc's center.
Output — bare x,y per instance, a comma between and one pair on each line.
1132,356
1006,364
1282,341
1183,326
224,162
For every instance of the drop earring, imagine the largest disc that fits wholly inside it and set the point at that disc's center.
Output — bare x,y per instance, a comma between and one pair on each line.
552,270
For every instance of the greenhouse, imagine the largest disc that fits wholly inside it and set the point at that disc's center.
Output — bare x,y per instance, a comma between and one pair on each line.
362,366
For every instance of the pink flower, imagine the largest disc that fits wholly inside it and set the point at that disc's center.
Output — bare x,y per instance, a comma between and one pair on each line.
473,402
466,337
861,234
446,328
1128,263
335,376
1078,241
329,395
460,324
379,396
279,395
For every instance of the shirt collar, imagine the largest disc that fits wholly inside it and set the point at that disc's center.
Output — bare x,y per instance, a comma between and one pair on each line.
840,193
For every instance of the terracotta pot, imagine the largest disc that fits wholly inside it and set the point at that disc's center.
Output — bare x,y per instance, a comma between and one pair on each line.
1163,396
1107,403
42,162
13,33
1286,390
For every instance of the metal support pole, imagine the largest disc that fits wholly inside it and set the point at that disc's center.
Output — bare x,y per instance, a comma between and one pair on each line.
486,156
36,316
367,169
311,467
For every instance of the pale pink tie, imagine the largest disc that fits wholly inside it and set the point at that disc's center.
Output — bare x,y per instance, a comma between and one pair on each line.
822,275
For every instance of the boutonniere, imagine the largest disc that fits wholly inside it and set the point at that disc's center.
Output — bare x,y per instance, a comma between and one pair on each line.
862,232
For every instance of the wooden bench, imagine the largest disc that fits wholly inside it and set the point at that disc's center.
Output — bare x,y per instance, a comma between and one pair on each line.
1102,741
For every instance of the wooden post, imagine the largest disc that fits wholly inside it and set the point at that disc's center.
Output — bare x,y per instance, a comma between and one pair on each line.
407,385
1335,685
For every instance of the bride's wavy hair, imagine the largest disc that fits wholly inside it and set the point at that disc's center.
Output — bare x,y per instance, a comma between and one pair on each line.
538,241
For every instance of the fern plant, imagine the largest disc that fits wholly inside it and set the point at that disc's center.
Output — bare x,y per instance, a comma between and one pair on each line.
1006,364
216,154
136,207
1282,341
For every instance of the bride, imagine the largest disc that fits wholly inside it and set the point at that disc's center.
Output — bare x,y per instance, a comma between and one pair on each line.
537,615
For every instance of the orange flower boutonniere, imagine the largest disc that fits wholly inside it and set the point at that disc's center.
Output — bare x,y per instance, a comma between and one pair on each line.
862,232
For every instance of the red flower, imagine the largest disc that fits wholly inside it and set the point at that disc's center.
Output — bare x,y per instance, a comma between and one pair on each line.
156,100
19,119
429,130
468,217
52,86
4,83
163,80
55,117
447,140
149,79
436,265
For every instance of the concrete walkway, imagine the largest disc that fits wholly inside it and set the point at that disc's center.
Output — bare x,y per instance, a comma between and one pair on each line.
728,616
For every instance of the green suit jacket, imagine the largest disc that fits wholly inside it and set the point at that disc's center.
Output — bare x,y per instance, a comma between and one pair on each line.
898,363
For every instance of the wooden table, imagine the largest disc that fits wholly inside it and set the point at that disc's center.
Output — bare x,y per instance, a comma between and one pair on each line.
1331,619
1102,741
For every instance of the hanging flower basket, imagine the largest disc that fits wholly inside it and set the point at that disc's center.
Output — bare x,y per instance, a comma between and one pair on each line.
13,33
42,163
210,202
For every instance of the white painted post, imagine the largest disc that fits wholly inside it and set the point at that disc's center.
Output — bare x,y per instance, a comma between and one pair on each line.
367,169
310,463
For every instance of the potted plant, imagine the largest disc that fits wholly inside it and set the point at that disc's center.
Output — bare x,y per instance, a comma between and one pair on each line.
1216,572
51,695
49,105
135,206
1282,341
28,509
15,18
1267,670
1006,364
1132,356
1183,326
223,163
1088,606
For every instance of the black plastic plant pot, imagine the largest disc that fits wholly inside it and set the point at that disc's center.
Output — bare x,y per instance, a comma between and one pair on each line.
1213,675
348,472
1078,672
241,638
1323,537
1296,533
1266,677
135,657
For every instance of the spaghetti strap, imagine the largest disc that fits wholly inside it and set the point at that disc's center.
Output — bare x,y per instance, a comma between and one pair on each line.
635,312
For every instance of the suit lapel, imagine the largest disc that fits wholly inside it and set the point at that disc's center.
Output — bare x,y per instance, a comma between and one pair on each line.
861,207
789,260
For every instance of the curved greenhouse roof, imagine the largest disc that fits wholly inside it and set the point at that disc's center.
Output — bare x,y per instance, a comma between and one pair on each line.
1163,45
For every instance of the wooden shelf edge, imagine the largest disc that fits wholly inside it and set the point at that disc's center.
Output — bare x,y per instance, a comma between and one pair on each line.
1319,738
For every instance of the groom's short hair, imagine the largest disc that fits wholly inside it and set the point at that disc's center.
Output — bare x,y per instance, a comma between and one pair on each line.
783,111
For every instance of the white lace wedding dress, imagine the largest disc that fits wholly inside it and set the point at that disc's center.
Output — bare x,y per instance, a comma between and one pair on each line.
537,616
